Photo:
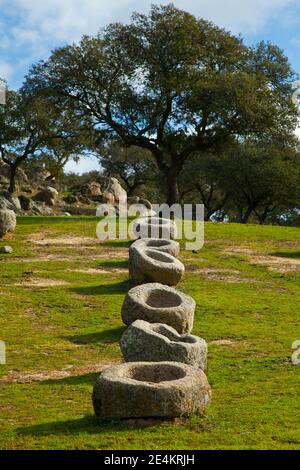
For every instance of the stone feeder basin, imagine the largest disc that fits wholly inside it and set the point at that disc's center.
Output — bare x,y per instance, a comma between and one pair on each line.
164,245
157,303
157,342
150,390
155,227
152,265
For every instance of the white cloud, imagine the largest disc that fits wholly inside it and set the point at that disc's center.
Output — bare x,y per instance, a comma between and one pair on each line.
6,70
247,16
69,19
35,27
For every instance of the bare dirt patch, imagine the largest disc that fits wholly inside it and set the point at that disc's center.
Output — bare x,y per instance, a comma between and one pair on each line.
273,263
64,241
40,282
113,254
239,251
226,278
196,258
72,256
99,271
225,342
7,236
277,263
69,371
203,270
218,274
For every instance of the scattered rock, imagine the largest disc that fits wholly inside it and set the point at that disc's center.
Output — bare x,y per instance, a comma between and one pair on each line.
52,191
119,193
47,195
84,200
70,199
89,190
26,189
108,198
157,342
9,201
94,189
42,175
41,209
5,171
148,390
8,221
156,303
26,203
6,250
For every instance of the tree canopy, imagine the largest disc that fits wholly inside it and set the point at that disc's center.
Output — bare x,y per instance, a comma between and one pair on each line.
172,84
31,127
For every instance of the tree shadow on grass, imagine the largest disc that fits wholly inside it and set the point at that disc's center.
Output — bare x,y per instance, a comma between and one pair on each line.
104,289
87,424
117,243
287,254
113,264
106,337
89,379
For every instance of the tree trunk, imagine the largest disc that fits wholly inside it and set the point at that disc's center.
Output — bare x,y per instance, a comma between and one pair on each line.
12,179
262,217
246,216
208,214
173,196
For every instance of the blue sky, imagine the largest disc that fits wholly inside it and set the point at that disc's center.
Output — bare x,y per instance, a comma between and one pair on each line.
30,29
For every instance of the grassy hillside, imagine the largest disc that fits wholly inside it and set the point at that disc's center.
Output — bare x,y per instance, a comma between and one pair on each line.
61,295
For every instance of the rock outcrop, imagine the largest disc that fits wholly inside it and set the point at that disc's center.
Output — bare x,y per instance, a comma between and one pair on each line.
119,193
47,195
8,221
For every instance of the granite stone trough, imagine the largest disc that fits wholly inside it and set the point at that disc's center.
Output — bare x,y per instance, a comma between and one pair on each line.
150,390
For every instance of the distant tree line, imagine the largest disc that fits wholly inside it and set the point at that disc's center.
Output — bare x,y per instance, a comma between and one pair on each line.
177,108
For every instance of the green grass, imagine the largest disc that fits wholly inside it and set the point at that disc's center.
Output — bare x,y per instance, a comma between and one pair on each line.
75,325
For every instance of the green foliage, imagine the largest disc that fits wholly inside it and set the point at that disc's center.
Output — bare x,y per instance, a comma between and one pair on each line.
133,166
171,84
254,178
260,178
35,128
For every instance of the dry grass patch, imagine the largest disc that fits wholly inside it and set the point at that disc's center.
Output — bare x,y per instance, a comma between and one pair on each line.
100,271
278,264
68,371
64,241
218,274
225,278
232,343
39,282
72,256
